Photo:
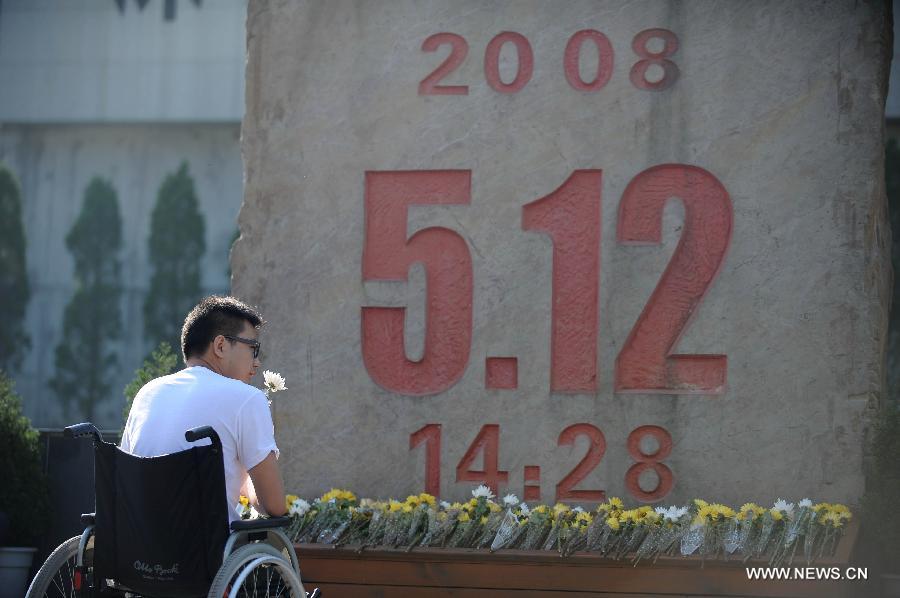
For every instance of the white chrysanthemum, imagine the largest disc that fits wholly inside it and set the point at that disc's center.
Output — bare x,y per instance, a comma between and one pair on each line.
785,506
254,514
273,381
483,491
578,510
523,508
299,507
445,505
510,500
804,503
673,513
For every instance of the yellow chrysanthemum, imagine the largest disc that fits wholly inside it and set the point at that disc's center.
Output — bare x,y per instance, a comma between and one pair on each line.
394,506
288,499
427,499
484,519
841,510
723,511
750,510
613,523
407,508
412,499
338,494
540,509
833,518
700,502
616,502
245,502
456,505
584,519
776,514
463,517
559,508
494,507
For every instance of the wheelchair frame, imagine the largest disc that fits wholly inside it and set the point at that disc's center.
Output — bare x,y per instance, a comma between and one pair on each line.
251,543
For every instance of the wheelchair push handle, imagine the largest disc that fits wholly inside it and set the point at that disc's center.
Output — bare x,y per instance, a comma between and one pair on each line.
195,434
83,429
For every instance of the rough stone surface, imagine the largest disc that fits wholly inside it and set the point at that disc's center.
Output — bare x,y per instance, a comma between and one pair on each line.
781,102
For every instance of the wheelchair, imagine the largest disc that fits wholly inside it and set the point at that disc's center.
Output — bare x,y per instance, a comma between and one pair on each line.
161,530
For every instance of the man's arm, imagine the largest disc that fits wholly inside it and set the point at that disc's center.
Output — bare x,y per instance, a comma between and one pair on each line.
269,486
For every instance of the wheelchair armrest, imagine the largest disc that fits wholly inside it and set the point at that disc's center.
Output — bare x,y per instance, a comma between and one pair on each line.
88,519
83,429
258,524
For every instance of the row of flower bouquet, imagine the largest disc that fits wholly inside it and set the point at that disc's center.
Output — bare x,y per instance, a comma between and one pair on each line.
778,534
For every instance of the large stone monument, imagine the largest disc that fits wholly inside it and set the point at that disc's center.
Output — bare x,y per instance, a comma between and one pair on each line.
571,249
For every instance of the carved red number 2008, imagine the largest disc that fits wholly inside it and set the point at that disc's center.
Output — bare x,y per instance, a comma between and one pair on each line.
388,254
646,362
459,48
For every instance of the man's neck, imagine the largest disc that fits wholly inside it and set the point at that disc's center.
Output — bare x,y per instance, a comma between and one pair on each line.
203,362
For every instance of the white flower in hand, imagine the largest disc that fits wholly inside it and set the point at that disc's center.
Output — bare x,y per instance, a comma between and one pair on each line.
273,381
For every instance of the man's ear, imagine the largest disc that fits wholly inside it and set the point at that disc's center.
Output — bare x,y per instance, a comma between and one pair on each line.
218,345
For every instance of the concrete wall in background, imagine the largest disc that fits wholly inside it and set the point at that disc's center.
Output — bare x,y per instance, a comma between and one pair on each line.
458,293
99,87
54,164
87,61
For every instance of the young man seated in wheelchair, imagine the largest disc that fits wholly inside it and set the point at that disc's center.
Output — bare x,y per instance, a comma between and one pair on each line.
165,501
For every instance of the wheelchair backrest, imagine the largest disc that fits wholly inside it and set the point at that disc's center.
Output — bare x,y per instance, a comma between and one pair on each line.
161,522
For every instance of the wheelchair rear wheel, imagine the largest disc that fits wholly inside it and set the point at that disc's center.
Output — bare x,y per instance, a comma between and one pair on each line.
56,577
256,570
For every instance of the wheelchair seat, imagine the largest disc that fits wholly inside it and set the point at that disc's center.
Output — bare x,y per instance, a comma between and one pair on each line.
161,529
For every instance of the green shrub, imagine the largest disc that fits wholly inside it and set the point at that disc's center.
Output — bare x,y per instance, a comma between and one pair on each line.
24,495
160,363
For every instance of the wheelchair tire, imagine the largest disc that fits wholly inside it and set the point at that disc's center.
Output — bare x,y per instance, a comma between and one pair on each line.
269,571
55,577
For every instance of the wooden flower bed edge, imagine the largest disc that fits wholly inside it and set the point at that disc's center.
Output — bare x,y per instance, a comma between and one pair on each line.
438,572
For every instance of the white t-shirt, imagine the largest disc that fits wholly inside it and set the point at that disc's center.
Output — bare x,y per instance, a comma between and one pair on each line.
165,408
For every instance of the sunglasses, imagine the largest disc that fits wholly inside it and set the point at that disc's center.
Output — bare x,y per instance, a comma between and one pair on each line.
247,341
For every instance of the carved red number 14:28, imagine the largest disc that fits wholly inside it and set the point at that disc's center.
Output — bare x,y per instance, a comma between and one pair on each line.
571,217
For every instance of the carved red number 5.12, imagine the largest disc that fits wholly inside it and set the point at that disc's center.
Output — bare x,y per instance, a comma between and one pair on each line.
388,254
571,216
646,362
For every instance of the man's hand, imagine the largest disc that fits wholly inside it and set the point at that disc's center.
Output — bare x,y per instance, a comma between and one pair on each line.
269,486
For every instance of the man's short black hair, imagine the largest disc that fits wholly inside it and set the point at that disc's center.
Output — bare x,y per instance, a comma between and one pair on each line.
215,315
